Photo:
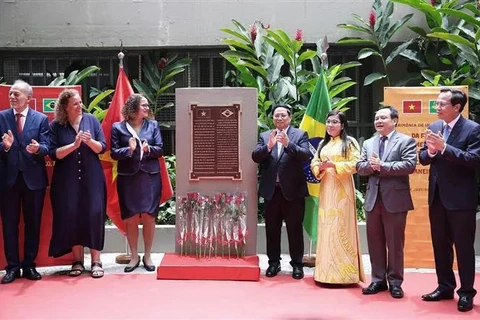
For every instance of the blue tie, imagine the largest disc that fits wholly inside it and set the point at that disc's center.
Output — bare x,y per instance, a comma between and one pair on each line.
381,146
446,132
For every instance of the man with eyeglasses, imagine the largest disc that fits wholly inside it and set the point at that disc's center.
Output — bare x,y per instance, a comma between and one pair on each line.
281,153
452,149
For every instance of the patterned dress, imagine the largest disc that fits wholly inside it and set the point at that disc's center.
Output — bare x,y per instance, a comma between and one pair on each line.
338,257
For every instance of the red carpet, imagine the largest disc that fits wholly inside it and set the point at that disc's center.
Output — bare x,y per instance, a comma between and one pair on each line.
176,267
143,297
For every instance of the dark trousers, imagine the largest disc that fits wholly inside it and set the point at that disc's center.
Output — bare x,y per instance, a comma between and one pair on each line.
386,240
278,209
12,200
453,228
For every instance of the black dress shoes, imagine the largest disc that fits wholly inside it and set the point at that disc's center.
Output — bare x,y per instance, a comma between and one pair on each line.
272,270
297,272
131,268
465,304
31,274
396,292
437,295
10,276
375,287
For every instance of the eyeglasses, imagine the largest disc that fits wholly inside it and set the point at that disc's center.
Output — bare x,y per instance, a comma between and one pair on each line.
334,122
145,105
441,104
280,115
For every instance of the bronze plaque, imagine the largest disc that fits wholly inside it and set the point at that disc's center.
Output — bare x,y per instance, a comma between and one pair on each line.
215,148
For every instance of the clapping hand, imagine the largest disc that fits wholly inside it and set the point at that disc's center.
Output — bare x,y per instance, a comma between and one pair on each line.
132,144
272,140
33,147
86,137
145,147
435,141
78,139
375,161
282,138
325,164
7,140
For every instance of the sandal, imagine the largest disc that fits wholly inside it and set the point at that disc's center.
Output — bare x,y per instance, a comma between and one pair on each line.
75,272
97,270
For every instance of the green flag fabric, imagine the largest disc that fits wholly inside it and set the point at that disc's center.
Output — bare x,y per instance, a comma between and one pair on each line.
313,123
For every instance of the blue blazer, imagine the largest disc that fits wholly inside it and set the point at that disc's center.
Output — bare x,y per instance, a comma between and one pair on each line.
453,172
288,166
130,163
17,158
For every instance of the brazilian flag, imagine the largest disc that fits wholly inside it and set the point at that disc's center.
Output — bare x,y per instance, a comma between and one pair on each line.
313,123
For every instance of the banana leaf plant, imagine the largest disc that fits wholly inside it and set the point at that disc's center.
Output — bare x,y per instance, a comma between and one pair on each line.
377,32
159,77
75,77
97,106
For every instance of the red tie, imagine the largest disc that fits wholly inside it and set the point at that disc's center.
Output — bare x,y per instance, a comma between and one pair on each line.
19,123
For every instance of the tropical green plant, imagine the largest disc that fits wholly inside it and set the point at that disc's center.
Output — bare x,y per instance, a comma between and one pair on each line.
75,77
379,30
359,201
454,33
261,57
159,77
97,106
166,211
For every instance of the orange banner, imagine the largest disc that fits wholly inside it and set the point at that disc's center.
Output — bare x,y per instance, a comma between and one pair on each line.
416,107
43,101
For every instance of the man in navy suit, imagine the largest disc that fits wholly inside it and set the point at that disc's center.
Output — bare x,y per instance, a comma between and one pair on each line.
281,153
452,149
23,147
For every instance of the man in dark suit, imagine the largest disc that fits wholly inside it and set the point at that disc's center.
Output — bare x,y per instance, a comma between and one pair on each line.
387,159
452,149
23,147
281,153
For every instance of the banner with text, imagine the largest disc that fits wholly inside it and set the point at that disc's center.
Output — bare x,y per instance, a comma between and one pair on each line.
43,100
416,107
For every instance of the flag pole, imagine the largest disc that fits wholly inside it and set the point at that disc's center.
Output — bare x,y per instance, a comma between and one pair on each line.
123,258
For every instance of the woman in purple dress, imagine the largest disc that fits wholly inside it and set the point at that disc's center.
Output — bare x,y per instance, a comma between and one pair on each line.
137,145
78,191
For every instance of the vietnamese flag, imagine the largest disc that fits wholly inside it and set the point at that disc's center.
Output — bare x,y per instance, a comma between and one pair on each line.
123,90
412,106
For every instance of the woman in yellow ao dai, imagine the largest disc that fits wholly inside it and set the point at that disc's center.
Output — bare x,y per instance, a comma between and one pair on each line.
338,256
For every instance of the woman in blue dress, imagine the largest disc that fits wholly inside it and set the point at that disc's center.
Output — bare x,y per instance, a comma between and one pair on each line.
78,191
137,145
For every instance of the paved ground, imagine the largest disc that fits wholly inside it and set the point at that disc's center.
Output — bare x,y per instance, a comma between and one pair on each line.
111,267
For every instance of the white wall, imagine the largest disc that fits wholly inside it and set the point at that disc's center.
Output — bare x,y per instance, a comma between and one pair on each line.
173,23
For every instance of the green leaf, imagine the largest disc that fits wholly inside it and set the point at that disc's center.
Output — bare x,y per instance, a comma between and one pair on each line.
429,75
281,50
373,77
240,55
162,89
236,34
460,15
420,31
473,8
474,93
342,102
258,69
429,10
333,92
239,45
341,80
85,73
367,52
348,65
453,39
354,28
172,74
398,50
273,72
356,41
70,80
395,27
446,61
99,98
309,54
145,90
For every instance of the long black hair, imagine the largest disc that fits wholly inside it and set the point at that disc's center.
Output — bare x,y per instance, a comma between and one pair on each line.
346,141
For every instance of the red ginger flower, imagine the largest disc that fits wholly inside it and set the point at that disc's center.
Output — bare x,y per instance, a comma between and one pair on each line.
372,19
253,32
433,2
162,63
299,35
